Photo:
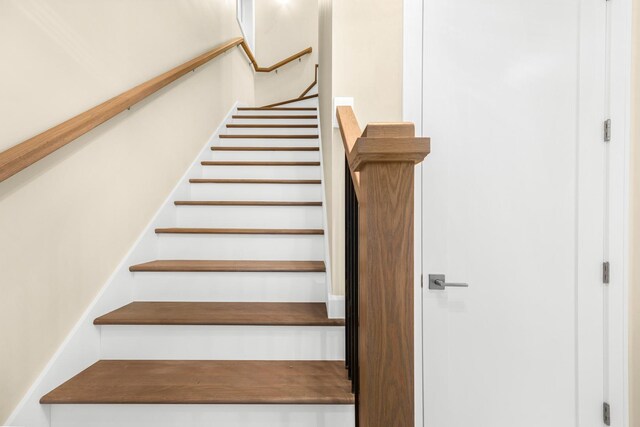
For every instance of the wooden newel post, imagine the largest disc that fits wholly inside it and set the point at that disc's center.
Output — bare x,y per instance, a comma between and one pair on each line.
386,156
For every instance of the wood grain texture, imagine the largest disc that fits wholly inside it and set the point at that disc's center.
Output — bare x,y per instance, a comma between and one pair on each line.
258,163
350,131
290,101
253,181
206,382
230,266
386,160
32,150
265,148
274,231
264,126
275,117
241,203
268,136
275,66
220,313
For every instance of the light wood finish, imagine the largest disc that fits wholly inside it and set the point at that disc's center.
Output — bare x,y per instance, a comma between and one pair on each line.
231,163
253,181
230,266
280,117
243,203
382,160
220,313
290,101
242,126
265,148
251,231
278,109
268,136
206,382
259,69
350,131
28,152
315,82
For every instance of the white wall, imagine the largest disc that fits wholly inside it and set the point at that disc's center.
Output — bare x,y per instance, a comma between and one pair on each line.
366,64
634,294
67,221
285,27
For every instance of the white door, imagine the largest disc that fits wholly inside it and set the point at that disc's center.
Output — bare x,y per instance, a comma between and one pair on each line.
513,204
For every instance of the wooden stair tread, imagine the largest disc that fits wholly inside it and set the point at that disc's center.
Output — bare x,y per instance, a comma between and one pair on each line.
229,266
257,163
263,126
220,313
242,203
282,231
278,117
265,148
268,136
277,109
206,382
253,181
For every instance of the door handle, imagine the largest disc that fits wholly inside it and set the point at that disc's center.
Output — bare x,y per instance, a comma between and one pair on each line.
437,282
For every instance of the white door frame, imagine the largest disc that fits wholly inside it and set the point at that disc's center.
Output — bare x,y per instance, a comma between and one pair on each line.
620,35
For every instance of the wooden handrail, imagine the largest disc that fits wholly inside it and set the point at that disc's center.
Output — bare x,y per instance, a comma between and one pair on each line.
315,82
379,262
32,150
260,69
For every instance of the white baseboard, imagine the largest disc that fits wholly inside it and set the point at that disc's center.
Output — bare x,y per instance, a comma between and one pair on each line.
81,347
335,307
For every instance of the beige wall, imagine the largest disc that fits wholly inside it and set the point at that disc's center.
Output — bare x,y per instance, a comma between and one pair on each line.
282,29
634,293
366,54
66,222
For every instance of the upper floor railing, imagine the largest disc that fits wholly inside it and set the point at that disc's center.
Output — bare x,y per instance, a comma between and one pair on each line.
26,153
379,270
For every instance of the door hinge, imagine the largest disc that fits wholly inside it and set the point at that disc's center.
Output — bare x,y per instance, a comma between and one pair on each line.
606,414
607,130
606,272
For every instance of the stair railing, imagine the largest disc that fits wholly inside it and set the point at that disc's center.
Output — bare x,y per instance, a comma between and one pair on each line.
379,278
28,152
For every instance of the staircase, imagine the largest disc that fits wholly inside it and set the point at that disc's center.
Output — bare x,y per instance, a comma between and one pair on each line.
229,325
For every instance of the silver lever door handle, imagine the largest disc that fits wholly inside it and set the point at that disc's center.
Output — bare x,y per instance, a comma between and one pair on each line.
437,282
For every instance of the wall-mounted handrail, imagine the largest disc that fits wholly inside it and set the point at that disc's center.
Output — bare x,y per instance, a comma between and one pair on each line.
260,69
26,153
379,273
315,82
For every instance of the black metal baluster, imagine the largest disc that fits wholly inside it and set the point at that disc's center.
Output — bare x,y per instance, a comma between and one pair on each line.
351,280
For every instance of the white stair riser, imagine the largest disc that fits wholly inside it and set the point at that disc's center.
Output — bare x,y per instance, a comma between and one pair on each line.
262,172
250,216
269,121
257,192
313,102
273,112
267,142
271,131
230,287
200,342
266,156
241,247
203,415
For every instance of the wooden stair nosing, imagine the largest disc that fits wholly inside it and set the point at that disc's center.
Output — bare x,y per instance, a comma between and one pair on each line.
213,266
242,203
206,382
218,148
277,109
267,126
274,117
256,163
250,231
219,314
253,181
268,136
